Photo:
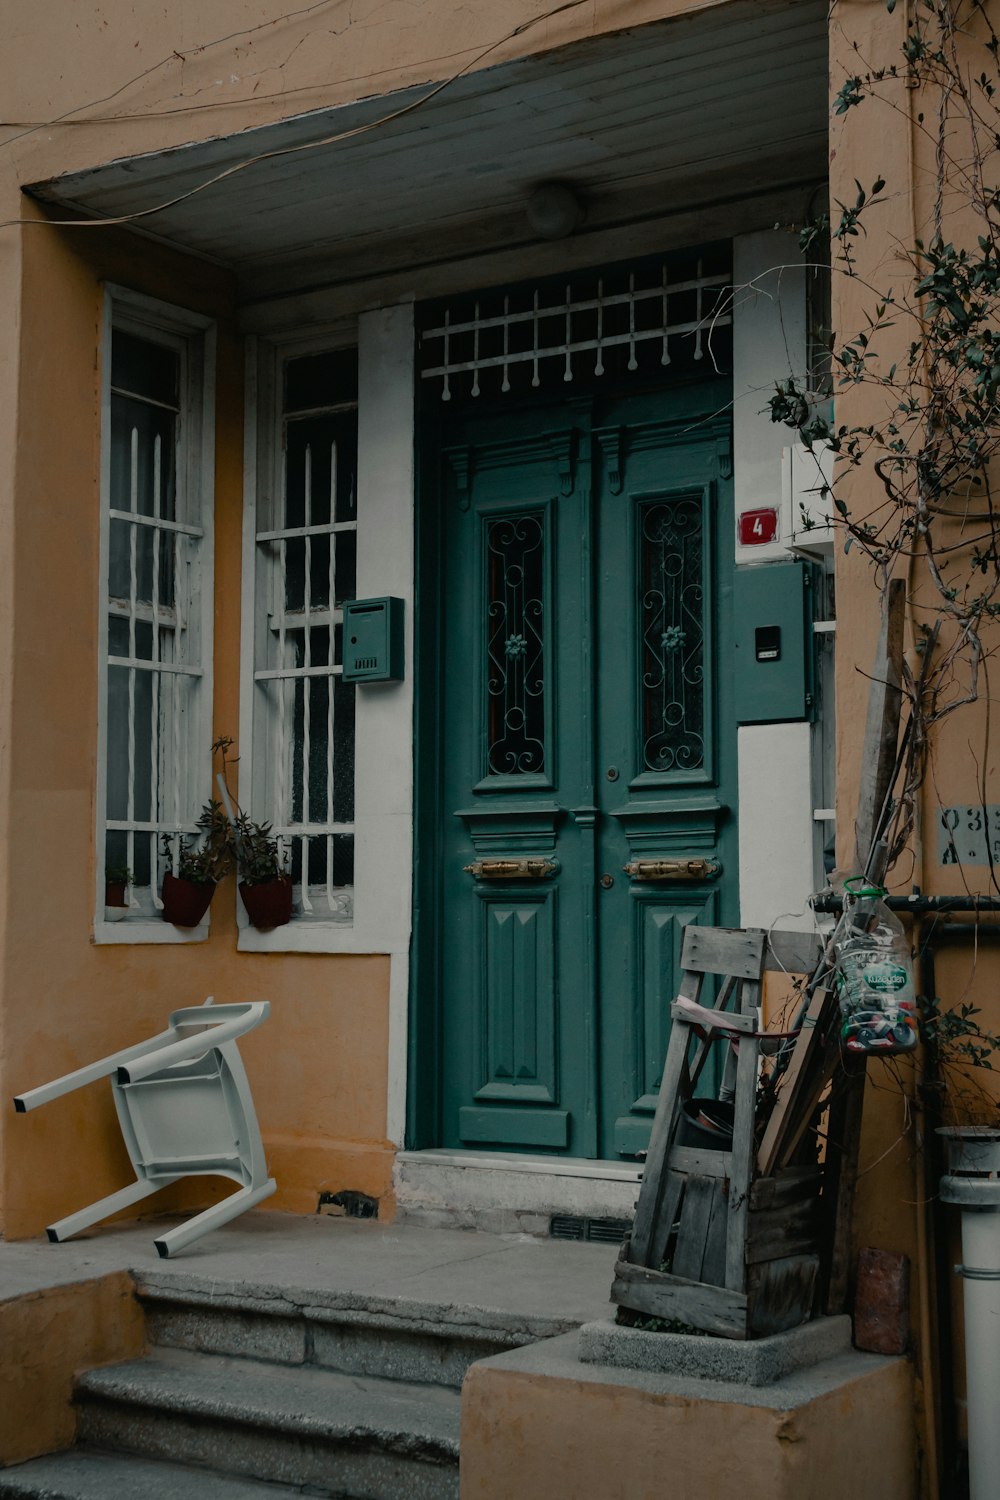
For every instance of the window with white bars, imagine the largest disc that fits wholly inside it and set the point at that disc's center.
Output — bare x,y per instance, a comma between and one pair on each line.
157,501
305,524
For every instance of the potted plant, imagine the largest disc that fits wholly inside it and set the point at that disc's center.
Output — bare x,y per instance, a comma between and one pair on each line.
117,879
265,882
187,894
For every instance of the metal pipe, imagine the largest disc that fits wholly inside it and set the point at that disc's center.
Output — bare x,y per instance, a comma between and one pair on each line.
918,905
936,933
973,1185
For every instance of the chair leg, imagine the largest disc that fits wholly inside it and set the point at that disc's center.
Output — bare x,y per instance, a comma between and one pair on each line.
105,1207
220,1213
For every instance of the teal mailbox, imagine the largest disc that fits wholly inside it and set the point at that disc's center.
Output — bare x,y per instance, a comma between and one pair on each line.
775,652
373,640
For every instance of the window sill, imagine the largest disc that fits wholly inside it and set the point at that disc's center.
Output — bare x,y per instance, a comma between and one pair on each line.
303,937
147,930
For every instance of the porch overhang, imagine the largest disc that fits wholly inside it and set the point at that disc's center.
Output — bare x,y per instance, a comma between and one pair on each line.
695,115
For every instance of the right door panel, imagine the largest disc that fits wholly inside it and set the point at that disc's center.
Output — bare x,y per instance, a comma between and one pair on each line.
666,741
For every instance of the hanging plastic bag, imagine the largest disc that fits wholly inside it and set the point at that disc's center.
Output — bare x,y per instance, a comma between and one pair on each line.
874,975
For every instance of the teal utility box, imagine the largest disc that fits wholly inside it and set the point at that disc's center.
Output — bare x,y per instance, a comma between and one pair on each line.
373,640
775,651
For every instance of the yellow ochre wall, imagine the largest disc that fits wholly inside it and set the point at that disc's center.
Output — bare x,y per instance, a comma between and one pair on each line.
897,1205
81,87
318,1065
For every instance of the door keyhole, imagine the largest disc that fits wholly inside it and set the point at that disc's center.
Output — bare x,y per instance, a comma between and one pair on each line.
612,773
607,881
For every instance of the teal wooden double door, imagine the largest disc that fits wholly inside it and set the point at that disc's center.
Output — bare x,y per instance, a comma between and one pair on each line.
585,765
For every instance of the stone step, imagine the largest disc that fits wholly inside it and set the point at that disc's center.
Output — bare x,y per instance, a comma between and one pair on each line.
357,1334
86,1474
345,1435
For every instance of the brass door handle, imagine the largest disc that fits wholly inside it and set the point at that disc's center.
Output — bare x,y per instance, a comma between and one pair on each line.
673,869
512,869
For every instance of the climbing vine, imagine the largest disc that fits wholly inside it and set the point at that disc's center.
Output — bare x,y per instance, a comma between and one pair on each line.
914,486
929,355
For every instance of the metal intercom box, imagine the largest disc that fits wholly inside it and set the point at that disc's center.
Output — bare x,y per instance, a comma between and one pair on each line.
373,640
775,655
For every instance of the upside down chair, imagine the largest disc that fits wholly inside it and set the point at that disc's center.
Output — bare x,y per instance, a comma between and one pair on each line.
185,1110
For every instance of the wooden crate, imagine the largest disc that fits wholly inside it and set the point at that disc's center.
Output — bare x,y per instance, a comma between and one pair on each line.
782,1255
715,1246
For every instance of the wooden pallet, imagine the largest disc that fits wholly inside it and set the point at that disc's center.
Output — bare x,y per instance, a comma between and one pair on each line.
717,1244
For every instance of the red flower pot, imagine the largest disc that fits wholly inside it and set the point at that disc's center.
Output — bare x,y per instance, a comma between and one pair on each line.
114,893
185,902
268,904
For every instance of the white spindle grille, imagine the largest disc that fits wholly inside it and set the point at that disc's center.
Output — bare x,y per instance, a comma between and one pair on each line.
304,710
617,323
155,545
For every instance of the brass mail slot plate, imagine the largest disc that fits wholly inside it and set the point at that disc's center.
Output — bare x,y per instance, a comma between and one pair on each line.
512,869
673,869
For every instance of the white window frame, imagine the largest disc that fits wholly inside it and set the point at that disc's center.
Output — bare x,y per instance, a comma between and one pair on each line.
383,790
194,336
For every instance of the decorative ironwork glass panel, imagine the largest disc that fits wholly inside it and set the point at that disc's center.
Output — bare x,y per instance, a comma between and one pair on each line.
594,328
672,649
515,655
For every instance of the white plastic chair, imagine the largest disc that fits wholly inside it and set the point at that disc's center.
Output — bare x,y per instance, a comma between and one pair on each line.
185,1109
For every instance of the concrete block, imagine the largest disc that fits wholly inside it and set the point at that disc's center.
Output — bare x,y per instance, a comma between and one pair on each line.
541,1422
755,1362
882,1302
511,1194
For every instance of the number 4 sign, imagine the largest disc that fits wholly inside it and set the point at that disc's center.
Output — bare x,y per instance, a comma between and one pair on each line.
757,527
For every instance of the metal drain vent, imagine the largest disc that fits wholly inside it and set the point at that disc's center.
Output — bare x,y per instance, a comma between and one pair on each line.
579,1227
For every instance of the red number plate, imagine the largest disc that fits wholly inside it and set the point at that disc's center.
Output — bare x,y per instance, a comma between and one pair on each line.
757,527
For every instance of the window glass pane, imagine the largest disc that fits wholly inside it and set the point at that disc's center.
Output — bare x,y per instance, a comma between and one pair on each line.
347,565
343,859
317,380
144,367
154,576
343,750
129,704
321,460
142,458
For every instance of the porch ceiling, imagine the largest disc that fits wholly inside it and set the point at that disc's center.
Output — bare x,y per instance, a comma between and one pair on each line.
726,102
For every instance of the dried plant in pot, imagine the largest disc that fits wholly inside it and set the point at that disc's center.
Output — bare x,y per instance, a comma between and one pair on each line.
265,882
187,893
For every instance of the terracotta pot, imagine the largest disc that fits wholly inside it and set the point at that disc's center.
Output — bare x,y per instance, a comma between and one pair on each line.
114,893
185,902
270,903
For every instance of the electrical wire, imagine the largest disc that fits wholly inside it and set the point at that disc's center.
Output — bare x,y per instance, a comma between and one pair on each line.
282,151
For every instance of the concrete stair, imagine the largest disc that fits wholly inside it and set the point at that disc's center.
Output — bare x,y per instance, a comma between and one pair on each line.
252,1391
